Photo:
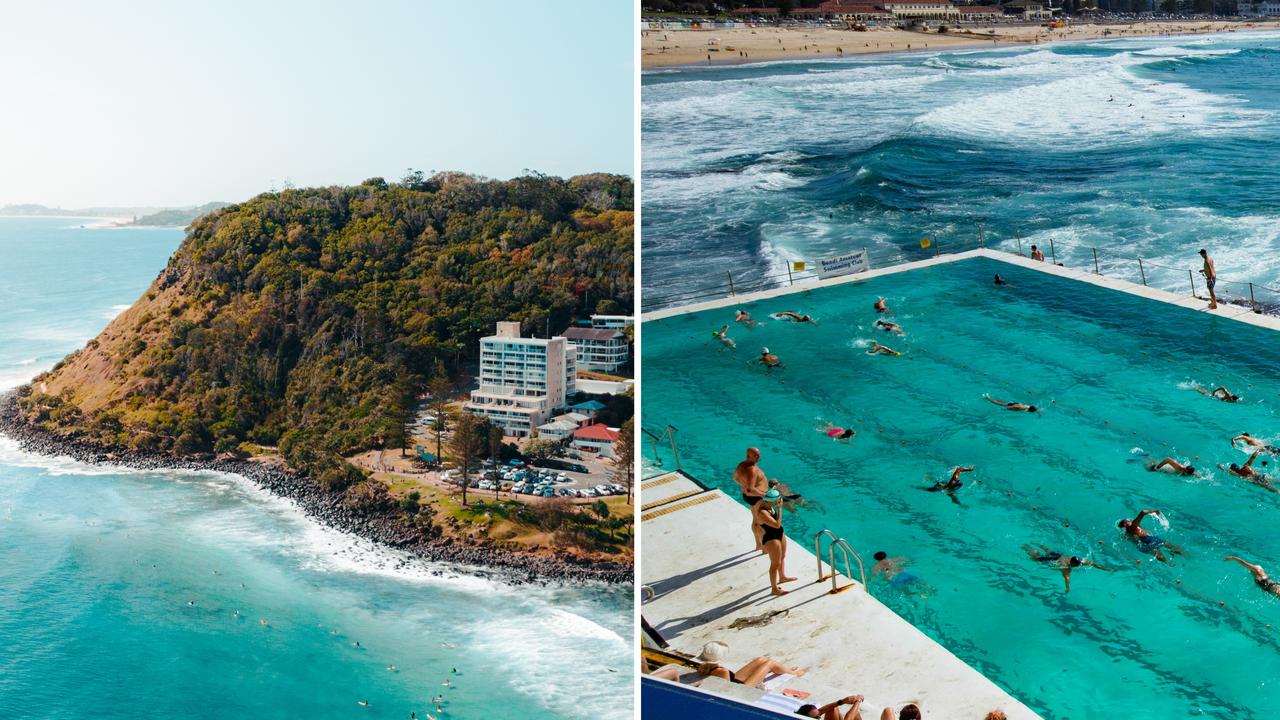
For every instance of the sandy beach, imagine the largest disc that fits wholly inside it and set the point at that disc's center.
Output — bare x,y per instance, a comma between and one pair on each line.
665,48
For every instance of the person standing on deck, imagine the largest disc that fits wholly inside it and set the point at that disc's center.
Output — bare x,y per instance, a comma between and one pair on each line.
754,485
1210,277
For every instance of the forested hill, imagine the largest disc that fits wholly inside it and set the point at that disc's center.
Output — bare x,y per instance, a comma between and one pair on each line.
303,318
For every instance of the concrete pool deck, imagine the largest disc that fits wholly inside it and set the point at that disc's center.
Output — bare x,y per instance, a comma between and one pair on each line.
1224,310
705,578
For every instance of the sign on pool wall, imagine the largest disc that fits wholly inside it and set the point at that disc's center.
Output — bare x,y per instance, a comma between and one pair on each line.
847,264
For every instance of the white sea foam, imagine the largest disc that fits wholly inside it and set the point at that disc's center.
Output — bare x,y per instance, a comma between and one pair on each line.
1107,107
114,311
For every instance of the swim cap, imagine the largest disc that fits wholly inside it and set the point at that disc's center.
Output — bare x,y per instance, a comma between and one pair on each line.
764,350
772,495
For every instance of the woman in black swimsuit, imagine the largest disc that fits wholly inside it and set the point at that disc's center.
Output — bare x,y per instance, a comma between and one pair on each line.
1259,576
753,673
769,516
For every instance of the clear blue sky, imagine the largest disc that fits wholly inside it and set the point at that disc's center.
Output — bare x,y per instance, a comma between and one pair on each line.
179,103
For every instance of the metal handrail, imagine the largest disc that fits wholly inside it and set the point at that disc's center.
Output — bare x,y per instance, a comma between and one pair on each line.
845,550
668,433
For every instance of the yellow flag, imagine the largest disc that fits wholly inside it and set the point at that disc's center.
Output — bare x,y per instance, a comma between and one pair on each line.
797,265
925,242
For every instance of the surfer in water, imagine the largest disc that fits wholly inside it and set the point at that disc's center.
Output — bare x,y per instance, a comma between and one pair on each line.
1147,542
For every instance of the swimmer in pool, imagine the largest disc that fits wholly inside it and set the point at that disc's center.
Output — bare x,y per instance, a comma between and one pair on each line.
723,336
744,318
1172,466
1147,542
1022,407
1247,472
1252,441
1064,562
878,349
795,317
768,359
838,433
952,485
1259,576
881,308
893,569
999,280
889,326
1220,393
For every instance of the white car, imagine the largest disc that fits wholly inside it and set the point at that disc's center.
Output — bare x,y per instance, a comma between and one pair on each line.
601,490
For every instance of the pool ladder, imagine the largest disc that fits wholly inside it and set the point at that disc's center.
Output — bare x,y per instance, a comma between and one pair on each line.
668,434
845,551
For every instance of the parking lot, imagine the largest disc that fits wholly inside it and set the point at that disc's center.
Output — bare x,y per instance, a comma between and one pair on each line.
576,476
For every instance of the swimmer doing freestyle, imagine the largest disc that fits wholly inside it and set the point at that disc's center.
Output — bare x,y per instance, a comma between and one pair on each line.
1147,542
1247,472
1064,562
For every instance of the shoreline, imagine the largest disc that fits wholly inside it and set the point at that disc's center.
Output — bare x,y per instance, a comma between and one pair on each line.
325,508
967,38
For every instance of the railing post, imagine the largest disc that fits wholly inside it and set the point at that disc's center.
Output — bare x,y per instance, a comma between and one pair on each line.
935,246
730,274
1142,271
1019,243
980,244
1053,254
1192,278
790,280
1095,261
1253,304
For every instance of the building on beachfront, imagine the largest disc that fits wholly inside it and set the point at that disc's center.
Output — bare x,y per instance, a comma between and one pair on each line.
599,348
589,408
557,430
922,10
612,321
979,13
596,439
1266,8
757,12
1028,9
523,380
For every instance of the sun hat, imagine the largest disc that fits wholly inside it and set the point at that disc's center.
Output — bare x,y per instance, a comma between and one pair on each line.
713,652
772,495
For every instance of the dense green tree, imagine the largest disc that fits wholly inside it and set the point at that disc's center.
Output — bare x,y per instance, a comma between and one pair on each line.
300,317
624,449
466,443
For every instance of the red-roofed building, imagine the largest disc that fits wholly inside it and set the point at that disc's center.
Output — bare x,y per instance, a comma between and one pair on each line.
597,439
756,11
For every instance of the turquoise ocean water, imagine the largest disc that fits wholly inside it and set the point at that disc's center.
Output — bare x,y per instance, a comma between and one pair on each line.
143,594
1150,148
1116,376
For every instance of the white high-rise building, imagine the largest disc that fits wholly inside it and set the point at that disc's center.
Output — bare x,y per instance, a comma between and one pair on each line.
523,380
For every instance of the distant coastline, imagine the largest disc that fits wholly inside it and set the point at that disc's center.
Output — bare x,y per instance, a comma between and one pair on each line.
690,48
324,507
